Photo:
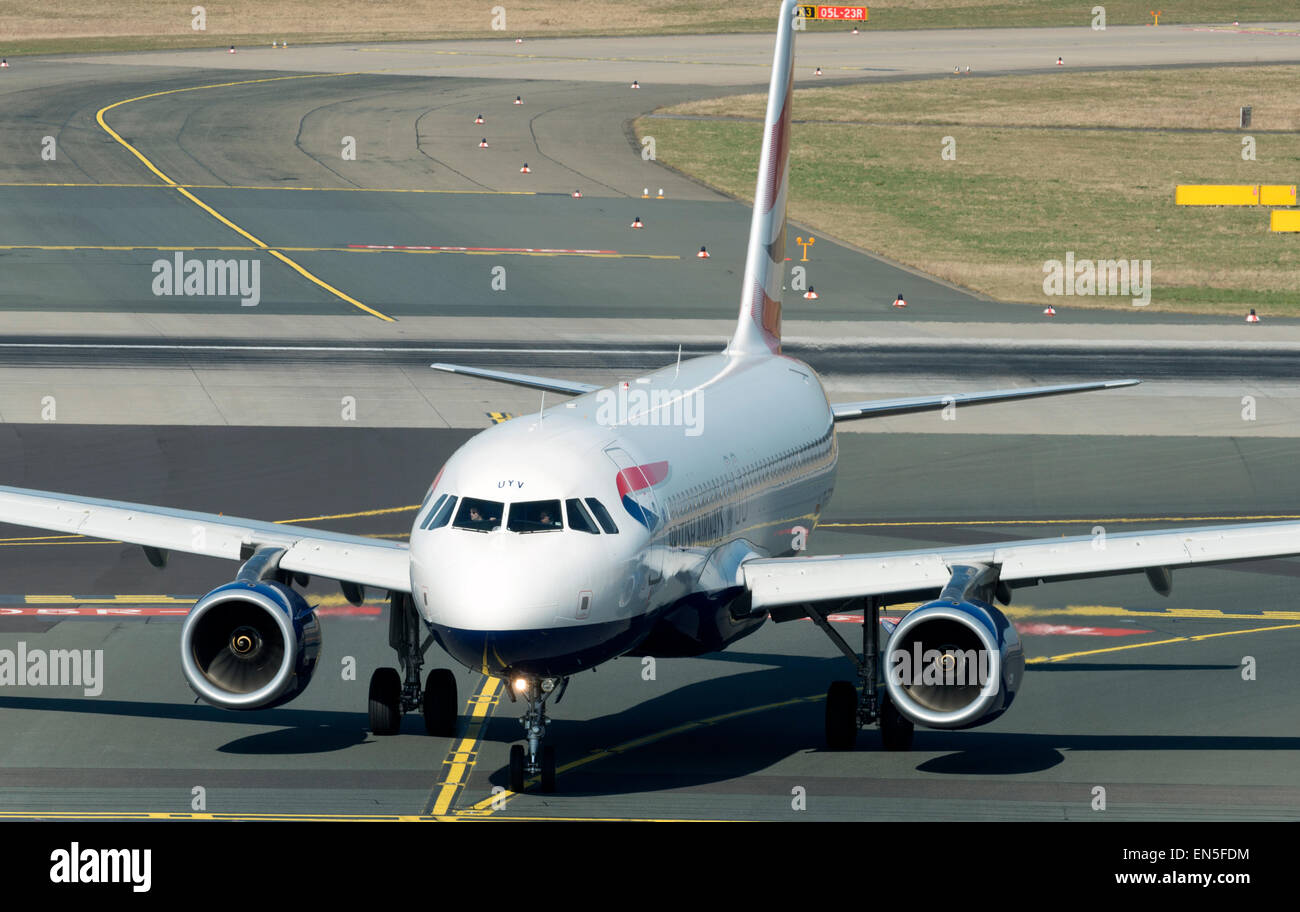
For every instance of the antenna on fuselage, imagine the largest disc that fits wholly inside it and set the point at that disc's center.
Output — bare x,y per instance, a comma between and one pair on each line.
541,408
679,361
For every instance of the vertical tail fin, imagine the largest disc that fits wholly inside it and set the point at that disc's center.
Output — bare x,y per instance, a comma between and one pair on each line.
758,329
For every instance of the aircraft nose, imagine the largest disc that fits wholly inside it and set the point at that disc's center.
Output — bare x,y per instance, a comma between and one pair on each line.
491,582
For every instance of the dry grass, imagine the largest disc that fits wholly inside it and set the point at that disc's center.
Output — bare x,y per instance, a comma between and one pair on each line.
113,24
1015,198
1182,99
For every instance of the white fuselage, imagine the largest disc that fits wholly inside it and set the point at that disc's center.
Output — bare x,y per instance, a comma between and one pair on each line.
699,466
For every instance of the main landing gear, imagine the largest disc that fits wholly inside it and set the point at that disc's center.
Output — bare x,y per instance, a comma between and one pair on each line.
849,707
392,695
536,759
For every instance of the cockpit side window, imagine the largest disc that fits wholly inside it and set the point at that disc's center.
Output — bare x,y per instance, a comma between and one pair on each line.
442,515
535,516
424,523
579,518
602,516
478,515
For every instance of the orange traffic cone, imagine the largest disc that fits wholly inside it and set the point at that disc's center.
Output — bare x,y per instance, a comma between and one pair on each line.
810,294
519,99
1060,62
483,143
899,302
636,222
525,169
1049,311
479,119
635,84
703,254
577,194
1252,317
661,193
645,194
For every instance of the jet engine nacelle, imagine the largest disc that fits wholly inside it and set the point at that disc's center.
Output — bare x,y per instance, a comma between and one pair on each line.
953,664
250,645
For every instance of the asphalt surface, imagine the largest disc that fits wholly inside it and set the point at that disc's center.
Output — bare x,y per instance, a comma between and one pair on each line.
1133,721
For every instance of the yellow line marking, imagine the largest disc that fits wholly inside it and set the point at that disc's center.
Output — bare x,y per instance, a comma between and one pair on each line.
341,818
99,117
1046,522
1186,639
1028,611
380,512
459,763
252,187
245,248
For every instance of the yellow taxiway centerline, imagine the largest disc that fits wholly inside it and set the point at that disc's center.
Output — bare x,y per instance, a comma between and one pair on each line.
464,754
99,117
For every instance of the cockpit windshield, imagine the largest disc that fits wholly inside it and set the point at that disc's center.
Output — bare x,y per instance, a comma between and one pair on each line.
478,515
535,516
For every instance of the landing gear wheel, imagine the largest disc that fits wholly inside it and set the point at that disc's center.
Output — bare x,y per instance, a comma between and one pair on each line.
440,706
517,768
896,730
385,701
548,768
841,716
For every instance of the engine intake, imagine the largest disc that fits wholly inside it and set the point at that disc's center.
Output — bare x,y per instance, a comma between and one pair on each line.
250,645
953,664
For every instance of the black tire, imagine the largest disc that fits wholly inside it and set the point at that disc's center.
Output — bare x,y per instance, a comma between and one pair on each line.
841,716
548,769
896,730
517,768
440,703
385,701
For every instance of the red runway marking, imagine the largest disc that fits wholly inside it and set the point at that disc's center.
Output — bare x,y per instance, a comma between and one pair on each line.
477,249
1037,629
159,611
1071,630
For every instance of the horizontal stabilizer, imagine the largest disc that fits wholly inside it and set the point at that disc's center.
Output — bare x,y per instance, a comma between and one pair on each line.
878,408
544,383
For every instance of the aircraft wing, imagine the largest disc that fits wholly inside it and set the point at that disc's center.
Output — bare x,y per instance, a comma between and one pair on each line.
334,555
848,411
908,575
544,383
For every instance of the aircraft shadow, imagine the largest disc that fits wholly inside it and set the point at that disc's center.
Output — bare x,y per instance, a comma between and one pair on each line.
703,749
297,731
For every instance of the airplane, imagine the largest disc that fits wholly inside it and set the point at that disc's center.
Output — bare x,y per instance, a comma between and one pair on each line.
663,516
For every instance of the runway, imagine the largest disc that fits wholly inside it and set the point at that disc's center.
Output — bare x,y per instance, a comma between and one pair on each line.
375,267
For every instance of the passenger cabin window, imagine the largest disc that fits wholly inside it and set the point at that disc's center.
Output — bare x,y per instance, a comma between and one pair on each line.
535,516
579,518
602,516
478,515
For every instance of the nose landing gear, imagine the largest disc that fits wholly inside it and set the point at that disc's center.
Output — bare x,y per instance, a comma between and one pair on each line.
536,759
